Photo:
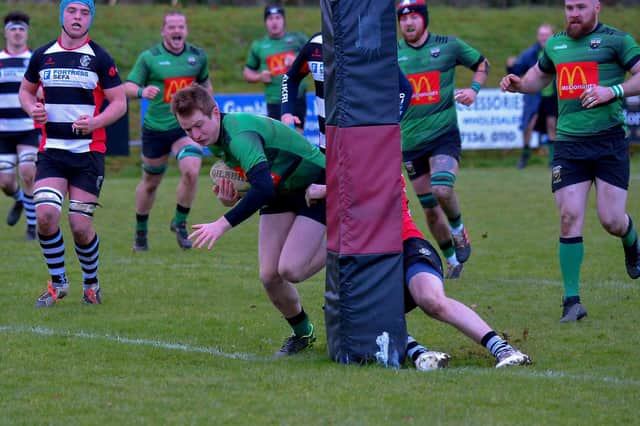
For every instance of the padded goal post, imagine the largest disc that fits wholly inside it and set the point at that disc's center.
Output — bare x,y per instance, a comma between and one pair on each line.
364,299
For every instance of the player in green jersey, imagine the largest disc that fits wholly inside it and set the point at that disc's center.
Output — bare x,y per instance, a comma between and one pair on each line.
269,59
157,74
431,142
279,164
589,61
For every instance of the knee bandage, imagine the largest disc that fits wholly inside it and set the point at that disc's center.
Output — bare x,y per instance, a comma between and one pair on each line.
427,201
49,196
7,163
28,157
443,179
154,170
83,208
189,151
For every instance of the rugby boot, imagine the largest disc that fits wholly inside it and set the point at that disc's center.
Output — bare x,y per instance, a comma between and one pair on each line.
294,344
14,213
510,357
572,310
454,271
182,236
140,241
462,245
92,295
632,259
51,295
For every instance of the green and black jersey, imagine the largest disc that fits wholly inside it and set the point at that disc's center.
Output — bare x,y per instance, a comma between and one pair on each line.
431,70
170,73
276,55
600,58
247,140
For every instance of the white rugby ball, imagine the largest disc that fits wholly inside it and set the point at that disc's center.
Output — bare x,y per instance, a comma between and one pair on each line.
220,170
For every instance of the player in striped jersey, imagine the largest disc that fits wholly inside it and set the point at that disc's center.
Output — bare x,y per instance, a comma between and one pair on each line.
77,75
18,137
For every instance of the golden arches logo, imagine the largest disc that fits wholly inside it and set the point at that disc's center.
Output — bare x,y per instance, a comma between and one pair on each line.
280,62
426,87
575,77
172,85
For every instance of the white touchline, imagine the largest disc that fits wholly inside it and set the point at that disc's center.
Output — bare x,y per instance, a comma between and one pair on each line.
526,372
127,340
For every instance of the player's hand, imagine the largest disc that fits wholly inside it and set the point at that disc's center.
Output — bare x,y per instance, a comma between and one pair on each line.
314,193
226,192
510,83
84,125
465,96
150,92
39,113
290,120
595,96
265,76
208,233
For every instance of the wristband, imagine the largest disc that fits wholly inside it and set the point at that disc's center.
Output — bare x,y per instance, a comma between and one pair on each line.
140,89
475,86
617,90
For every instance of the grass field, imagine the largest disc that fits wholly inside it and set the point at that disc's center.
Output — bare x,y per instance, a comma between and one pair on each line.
187,337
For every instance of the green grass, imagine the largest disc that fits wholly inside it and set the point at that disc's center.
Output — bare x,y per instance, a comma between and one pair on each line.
113,364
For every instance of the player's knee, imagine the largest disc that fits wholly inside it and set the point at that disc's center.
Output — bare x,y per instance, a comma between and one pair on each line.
442,184
612,224
151,170
80,228
7,163
190,176
269,277
428,200
291,273
433,305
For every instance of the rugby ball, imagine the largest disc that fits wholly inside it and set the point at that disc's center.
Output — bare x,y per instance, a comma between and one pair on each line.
220,170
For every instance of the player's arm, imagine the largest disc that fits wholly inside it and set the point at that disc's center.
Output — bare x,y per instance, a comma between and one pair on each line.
117,108
599,95
298,70
29,101
532,82
135,91
251,71
467,96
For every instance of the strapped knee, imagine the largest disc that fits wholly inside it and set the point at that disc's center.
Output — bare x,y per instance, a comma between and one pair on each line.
427,201
7,163
154,170
189,151
443,179
28,157
48,196
83,208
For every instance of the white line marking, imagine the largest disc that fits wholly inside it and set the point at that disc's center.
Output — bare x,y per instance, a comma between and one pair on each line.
120,339
524,372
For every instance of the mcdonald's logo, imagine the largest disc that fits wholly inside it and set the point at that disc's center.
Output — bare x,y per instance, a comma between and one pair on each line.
172,85
426,87
279,63
575,77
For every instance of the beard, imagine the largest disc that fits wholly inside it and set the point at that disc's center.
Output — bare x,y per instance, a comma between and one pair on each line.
580,29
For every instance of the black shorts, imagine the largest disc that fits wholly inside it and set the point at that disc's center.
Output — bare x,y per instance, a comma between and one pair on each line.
417,162
548,108
10,140
606,159
295,202
300,110
157,144
81,170
418,251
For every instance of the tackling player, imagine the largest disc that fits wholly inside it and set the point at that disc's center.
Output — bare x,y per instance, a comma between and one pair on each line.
157,74
589,61
431,144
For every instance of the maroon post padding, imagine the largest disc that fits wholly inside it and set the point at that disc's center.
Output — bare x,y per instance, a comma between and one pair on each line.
363,208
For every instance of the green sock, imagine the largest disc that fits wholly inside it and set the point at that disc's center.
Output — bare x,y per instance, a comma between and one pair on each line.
456,222
571,252
629,239
300,324
447,249
181,214
142,221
